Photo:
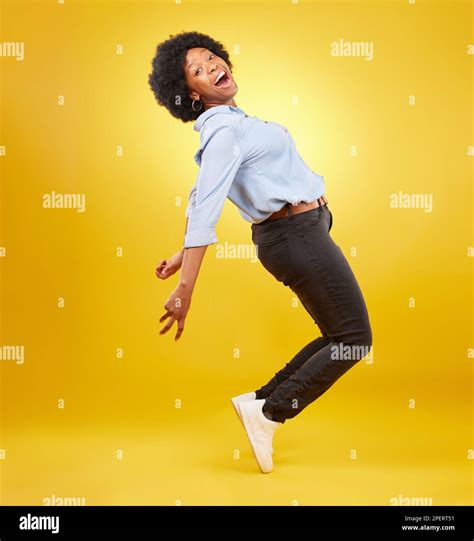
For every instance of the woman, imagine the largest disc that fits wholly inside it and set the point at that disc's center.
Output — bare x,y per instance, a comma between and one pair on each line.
255,164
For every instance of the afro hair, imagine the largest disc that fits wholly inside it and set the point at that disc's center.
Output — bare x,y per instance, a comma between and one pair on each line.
167,80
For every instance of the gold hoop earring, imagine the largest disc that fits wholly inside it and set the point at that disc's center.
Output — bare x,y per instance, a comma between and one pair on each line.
192,106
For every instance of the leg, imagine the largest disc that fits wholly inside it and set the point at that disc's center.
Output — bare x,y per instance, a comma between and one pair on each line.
323,280
290,368
313,379
303,355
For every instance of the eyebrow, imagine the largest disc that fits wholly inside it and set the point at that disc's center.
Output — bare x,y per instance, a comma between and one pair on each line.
189,65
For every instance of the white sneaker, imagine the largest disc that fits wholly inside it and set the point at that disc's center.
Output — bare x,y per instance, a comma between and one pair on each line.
241,398
260,431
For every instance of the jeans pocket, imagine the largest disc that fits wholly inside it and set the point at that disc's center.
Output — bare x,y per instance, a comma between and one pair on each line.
269,237
310,218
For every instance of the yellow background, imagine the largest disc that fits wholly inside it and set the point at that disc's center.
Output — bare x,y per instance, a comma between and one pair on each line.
243,326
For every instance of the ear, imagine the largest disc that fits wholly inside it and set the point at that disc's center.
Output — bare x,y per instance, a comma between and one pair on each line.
194,95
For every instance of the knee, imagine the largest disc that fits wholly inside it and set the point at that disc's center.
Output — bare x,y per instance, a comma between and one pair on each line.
366,337
360,336
361,343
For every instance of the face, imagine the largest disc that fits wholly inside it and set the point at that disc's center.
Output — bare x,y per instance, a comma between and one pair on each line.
202,70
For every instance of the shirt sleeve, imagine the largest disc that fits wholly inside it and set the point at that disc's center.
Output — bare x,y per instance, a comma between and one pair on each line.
220,159
191,200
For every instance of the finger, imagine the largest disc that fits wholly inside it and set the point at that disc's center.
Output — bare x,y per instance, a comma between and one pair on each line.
168,326
164,272
165,315
180,329
159,269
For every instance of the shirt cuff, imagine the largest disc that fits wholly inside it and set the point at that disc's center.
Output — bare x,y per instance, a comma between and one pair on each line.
202,237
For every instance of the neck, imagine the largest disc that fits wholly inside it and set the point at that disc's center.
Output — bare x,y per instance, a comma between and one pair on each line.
208,105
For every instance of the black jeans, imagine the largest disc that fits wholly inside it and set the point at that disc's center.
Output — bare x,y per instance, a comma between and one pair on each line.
299,252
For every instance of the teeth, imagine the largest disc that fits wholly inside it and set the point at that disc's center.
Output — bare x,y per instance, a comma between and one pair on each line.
221,74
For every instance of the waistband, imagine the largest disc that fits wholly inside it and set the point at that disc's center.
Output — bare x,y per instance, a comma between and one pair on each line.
288,210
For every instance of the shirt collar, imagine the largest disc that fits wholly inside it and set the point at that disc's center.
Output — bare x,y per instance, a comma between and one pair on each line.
214,110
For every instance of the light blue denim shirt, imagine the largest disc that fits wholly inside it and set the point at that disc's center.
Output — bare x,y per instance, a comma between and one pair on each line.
250,161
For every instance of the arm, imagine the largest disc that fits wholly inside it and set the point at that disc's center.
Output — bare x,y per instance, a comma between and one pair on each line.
168,267
192,260
220,161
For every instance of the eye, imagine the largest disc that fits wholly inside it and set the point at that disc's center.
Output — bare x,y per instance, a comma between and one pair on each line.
210,56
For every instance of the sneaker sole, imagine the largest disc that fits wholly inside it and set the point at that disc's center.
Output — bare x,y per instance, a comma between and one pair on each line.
235,404
263,465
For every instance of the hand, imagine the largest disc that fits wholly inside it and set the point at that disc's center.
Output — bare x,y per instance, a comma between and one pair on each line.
176,307
168,267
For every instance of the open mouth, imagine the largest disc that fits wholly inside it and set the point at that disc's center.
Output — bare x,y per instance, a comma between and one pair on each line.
223,79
